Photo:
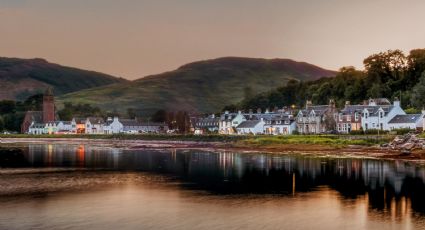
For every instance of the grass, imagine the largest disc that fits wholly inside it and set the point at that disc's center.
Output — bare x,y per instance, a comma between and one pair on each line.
326,140
254,141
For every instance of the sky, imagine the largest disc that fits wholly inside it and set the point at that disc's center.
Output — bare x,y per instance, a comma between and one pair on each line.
135,38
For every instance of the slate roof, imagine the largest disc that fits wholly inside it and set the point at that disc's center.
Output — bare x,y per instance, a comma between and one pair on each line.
373,110
351,109
38,126
96,120
318,110
408,118
248,124
129,122
36,116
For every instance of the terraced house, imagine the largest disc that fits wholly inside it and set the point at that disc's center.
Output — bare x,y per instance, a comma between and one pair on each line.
377,116
316,119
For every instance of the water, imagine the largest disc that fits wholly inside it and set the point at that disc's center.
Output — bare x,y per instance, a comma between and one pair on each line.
82,186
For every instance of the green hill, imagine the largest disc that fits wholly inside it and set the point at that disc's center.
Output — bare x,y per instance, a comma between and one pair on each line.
20,78
204,86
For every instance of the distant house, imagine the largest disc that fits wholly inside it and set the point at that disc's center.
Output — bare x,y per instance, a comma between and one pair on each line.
229,122
94,125
375,116
78,125
65,127
350,118
113,126
251,127
315,119
132,126
37,129
408,121
45,128
206,124
280,125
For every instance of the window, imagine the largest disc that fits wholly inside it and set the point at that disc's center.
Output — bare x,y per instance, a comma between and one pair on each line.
349,118
356,116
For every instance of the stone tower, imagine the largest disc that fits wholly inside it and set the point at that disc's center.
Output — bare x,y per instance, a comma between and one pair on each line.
48,106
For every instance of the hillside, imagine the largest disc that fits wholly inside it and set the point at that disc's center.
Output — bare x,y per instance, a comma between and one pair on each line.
20,78
204,86
390,74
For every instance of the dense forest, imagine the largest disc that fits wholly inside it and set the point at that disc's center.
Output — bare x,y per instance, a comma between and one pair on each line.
387,74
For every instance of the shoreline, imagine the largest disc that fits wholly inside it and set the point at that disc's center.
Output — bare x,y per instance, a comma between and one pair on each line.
316,149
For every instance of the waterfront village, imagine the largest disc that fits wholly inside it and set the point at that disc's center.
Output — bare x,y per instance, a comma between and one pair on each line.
379,114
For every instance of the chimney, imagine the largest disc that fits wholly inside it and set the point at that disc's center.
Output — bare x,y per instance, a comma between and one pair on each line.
226,112
396,102
109,119
332,103
372,102
212,115
239,112
347,103
259,110
308,104
267,111
423,111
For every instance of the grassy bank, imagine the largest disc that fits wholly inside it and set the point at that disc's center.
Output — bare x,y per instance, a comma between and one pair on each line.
260,141
325,140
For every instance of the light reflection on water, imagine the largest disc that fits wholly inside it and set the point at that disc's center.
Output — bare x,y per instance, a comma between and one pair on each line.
86,187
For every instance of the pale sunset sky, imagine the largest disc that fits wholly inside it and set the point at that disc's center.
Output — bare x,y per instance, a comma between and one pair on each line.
135,38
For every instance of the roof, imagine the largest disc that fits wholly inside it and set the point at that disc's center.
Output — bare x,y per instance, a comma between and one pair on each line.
38,126
318,109
351,109
35,116
96,120
408,118
129,122
373,110
248,124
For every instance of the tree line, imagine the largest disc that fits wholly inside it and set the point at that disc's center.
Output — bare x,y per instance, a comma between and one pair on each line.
390,74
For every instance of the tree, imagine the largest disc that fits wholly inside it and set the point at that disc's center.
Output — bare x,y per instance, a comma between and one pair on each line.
131,113
418,93
159,116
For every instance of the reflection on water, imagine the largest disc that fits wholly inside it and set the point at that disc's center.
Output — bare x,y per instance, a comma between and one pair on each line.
238,188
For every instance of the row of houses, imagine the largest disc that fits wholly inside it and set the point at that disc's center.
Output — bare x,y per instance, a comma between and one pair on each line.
97,125
373,114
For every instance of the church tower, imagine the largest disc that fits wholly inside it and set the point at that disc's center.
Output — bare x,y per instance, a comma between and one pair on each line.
48,106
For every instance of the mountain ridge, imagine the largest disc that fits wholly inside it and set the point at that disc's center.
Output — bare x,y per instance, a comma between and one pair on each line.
20,78
201,86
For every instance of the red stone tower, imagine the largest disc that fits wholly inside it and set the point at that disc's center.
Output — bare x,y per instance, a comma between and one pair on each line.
48,106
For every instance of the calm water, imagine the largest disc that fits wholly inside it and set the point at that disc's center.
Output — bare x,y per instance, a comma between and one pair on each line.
72,186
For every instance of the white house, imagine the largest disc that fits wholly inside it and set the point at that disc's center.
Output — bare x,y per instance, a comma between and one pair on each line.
378,116
132,126
229,122
408,121
113,126
37,128
251,127
94,125
65,127
280,125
